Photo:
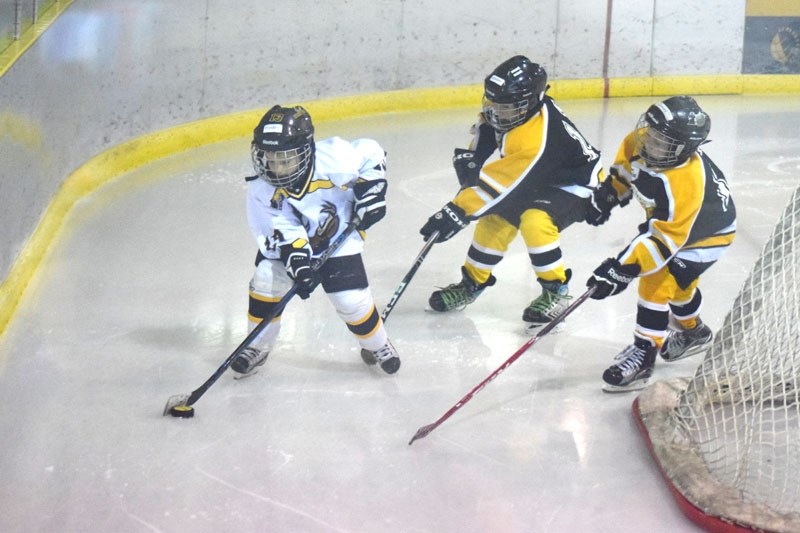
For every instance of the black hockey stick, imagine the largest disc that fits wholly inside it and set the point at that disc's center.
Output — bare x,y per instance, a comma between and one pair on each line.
366,355
407,278
425,430
189,399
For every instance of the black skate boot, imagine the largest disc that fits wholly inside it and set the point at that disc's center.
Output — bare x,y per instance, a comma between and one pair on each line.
458,295
367,357
386,356
247,361
685,343
633,368
552,302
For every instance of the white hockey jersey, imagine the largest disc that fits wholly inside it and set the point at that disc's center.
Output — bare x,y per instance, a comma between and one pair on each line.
322,213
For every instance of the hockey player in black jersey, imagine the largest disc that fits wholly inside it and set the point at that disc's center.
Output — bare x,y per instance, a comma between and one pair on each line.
691,220
537,186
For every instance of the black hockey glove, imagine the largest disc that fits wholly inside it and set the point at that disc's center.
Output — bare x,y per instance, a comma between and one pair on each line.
611,278
603,200
296,257
448,221
370,204
467,168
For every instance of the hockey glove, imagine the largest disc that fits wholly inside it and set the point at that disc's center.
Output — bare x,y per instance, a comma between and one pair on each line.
611,278
296,257
467,168
603,200
370,204
448,221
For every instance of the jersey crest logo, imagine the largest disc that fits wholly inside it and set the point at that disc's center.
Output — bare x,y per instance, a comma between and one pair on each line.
328,227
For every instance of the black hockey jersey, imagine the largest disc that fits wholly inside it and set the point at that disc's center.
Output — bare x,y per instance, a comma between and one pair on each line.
689,208
546,151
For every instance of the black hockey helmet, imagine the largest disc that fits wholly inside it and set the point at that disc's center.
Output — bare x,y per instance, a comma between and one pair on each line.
513,93
283,147
669,132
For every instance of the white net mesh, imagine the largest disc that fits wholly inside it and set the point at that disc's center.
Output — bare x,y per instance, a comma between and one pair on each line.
739,416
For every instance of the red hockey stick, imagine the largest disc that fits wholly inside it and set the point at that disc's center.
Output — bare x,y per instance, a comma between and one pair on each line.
425,430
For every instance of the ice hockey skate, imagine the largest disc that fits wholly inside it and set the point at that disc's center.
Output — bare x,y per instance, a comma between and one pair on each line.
550,304
386,356
247,362
685,343
633,368
458,295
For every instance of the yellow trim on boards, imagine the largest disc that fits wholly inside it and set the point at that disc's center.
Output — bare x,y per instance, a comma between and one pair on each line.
132,154
772,8
10,55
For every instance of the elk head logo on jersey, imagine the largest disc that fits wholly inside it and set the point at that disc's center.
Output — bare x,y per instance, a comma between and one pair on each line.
327,227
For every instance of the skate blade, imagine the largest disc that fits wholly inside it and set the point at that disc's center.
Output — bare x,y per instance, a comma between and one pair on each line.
633,387
688,353
237,376
429,309
532,328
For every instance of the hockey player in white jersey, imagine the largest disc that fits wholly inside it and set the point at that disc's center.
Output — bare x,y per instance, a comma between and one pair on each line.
303,196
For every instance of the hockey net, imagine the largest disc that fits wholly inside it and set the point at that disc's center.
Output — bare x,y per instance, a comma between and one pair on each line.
728,439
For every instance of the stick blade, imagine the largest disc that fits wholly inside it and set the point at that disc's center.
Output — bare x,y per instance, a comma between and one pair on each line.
174,401
422,433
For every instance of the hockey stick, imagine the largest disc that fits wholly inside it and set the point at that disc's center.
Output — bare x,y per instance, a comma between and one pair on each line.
407,278
186,400
366,355
425,430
